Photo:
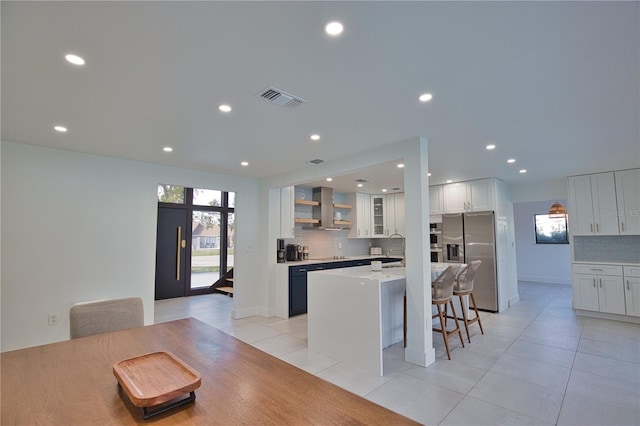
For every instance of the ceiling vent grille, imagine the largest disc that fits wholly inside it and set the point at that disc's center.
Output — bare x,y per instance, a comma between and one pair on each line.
280,97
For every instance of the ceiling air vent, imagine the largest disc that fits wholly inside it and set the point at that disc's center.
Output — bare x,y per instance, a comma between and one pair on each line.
317,161
280,97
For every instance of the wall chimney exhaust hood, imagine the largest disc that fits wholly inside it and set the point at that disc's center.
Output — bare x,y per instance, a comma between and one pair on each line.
324,212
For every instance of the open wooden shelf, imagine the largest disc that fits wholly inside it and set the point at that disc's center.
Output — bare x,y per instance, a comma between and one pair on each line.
307,202
303,220
342,222
342,206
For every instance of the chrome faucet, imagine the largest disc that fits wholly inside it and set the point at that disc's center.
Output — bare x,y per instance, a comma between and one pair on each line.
389,251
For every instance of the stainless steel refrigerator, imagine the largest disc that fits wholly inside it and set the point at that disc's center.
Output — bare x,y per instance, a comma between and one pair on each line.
471,236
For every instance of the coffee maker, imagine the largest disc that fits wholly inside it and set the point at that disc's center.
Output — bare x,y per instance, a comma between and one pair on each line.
280,251
292,252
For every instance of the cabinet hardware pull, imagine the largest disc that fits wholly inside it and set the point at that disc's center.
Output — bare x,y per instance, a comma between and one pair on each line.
178,255
591,225
594,283
622,224
594,269
600,282
597,227
628,289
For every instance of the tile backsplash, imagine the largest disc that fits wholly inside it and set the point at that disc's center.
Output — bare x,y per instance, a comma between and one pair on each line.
329,243
615,248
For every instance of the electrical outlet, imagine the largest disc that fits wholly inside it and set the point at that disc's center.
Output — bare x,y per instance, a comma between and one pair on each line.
53,319
339,244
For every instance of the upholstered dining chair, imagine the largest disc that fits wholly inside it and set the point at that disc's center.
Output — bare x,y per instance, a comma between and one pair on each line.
103,316
441,295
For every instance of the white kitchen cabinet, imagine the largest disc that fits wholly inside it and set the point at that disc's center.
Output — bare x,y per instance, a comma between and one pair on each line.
360,215
476,195
628,201
598,288
436,202
632,290
395,214
378,216
287,215
592,205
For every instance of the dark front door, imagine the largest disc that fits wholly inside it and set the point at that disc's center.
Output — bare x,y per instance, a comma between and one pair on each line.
171,252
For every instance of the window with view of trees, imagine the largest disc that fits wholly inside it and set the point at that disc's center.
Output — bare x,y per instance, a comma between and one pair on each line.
551,229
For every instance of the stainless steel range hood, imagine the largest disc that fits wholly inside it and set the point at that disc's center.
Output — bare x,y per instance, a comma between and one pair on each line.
324,212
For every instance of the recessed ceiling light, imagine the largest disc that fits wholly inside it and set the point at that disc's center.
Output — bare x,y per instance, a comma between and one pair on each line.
523,170
511,160
384,190
334,28
244,163
428,174
449,181
425,97
74,59
315,137
400,165
360,185
224,108
490,147
329,179
60,129
167,149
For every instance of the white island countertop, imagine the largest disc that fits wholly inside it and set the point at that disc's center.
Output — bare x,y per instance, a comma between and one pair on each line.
354,313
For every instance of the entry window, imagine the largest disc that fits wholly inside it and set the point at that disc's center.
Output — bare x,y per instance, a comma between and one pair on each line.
207,197
173,194
551,230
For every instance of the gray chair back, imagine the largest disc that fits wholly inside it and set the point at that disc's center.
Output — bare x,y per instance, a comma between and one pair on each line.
464,281
442,286
87,319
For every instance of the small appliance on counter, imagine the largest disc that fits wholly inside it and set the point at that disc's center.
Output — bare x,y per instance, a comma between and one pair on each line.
305,253
282,254
292,252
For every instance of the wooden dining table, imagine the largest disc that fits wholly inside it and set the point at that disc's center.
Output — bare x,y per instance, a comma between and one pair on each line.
72,383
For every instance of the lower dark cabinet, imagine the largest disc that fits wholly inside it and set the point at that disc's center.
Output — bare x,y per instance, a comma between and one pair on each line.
298,280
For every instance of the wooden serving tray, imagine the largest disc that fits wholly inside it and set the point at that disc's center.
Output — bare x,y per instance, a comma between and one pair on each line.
155,378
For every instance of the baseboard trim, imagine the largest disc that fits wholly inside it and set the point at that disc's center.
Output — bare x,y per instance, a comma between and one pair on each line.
546,280
604,315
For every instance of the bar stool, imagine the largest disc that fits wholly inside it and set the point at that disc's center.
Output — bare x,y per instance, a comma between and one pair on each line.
442,294
464,287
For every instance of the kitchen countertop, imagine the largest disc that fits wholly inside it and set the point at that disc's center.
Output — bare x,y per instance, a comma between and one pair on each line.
585,262
330,259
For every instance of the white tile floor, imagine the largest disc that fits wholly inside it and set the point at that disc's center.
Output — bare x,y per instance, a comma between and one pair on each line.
537,364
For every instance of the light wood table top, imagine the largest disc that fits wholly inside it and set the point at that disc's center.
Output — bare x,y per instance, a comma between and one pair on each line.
72,383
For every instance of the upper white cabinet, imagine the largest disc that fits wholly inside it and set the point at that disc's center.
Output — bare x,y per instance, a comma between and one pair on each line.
287,215
378,215
395,214
436,202
628,198
476,195
360,215
387,215
595,209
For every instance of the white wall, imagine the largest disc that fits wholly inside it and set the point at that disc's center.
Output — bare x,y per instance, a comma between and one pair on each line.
547,263
80,227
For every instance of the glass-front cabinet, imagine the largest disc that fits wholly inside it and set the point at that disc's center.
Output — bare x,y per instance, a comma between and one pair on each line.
378,212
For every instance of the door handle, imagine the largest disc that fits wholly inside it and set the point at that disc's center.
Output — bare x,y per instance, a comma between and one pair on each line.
179,248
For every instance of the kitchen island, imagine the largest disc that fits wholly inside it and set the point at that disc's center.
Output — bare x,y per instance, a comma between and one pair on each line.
354,313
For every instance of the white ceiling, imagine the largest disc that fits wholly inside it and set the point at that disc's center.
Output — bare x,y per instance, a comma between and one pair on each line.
553,84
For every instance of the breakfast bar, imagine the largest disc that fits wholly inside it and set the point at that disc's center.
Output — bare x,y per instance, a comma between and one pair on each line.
354,313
